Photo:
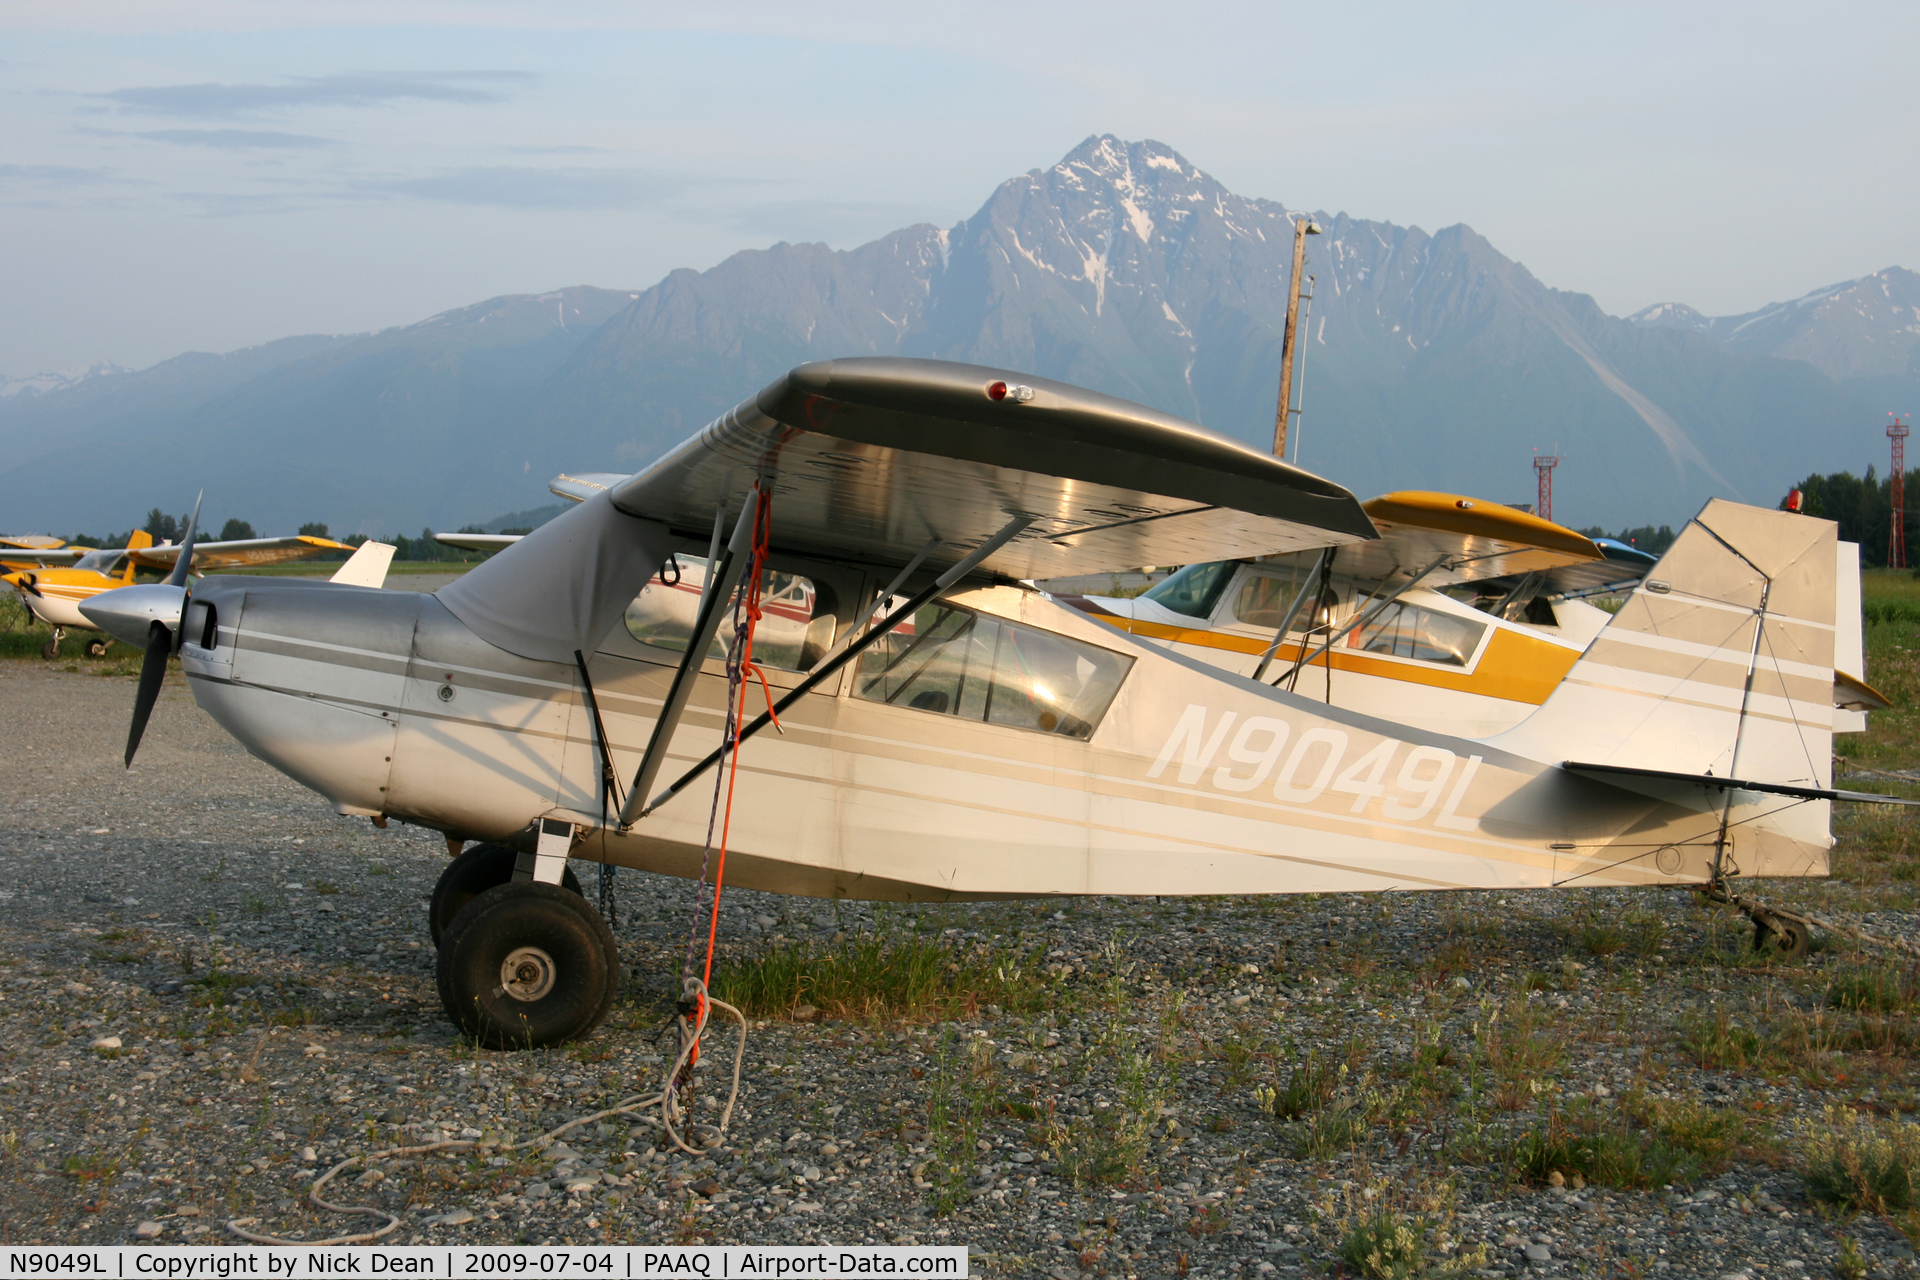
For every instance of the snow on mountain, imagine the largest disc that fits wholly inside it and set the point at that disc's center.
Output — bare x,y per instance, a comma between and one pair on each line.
40,384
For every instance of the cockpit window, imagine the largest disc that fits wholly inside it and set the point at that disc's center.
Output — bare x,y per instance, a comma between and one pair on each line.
1408,631
106,562
959,663
796,617
1196,589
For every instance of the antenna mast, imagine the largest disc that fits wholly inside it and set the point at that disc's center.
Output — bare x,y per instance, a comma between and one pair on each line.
1897,432
1543,466
1283,413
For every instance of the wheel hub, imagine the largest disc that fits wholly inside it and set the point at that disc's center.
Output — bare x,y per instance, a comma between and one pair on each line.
527,974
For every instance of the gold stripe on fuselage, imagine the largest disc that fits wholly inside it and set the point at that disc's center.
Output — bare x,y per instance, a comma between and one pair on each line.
1515,667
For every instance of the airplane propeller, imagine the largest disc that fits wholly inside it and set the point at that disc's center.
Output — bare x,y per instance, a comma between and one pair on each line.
153,616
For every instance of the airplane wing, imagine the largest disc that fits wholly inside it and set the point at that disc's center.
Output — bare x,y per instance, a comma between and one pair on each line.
873,457
33,542
239,553
1478,539
20,557
583,486
1622,565
484,541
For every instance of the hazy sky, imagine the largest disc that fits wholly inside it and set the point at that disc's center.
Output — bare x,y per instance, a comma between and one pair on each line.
206,174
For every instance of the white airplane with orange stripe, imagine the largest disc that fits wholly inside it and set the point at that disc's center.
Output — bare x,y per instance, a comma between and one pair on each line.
1463,617
1010,745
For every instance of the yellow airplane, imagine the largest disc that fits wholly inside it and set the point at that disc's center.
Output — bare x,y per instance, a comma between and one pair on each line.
52,581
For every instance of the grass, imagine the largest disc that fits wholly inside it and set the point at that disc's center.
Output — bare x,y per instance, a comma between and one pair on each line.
1863,1164
1639,1143
909,976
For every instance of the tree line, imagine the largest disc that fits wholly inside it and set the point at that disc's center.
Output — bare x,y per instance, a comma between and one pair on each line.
164,527
1863,508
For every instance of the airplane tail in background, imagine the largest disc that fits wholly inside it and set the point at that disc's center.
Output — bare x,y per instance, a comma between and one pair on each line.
1721,662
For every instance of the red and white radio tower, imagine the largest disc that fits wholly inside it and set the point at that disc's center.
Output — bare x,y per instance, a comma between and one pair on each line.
1543,467
1897,536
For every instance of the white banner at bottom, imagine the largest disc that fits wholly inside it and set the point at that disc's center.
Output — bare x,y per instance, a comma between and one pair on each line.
481,1262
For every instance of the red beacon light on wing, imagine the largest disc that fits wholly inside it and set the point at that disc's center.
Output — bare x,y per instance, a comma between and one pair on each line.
1009,391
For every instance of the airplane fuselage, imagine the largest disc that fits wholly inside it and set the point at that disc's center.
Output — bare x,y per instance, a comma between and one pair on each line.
1191,780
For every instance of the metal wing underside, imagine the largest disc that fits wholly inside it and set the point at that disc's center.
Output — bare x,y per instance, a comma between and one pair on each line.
869,459
1479,540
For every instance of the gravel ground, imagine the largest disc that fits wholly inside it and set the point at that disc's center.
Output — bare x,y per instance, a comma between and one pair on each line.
213,987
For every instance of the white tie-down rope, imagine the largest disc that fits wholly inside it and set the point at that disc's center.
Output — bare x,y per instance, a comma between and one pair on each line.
671,1113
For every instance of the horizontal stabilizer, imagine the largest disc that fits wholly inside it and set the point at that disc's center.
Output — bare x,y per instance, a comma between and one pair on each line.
1616,772
366,567
478,541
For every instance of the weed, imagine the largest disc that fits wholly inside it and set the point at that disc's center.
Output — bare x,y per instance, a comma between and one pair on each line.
955,1111
1721,1045
1851,1264
1392,1229
1308,1086
1108,1146
324,886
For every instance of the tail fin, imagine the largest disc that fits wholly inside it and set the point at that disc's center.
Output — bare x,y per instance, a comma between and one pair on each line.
1720,662
139,540
366,567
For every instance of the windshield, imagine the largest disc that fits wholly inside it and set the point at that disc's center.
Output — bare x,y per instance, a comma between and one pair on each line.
1195,589
106,562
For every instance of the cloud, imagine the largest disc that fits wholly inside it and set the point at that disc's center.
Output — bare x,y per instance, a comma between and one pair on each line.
214,100
236,139
509,187
52,174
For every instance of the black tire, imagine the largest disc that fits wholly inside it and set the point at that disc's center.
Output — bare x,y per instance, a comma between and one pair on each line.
528,966
1782,939
475,871
50,650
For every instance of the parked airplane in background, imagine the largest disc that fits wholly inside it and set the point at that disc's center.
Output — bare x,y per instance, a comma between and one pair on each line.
53,583
1010,745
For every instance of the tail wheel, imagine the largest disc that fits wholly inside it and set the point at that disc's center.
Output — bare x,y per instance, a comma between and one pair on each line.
480,868
528,966
1782,938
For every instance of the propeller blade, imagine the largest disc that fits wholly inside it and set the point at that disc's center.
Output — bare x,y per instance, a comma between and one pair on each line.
153,672
184,565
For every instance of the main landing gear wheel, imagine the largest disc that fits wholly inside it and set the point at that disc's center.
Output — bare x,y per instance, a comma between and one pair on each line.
97,648
528,966
50,650
1781,938
480,868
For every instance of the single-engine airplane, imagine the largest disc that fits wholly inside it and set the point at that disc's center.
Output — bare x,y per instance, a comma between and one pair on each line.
54,594
1010,745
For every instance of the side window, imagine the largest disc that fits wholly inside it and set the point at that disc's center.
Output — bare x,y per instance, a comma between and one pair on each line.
960,663
1408,631
1263,598
796,617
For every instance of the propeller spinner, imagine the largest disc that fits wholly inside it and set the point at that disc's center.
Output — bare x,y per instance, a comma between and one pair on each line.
152,616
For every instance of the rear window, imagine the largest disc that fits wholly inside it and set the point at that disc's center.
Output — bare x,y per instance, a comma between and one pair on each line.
955,662
796,622
1195,589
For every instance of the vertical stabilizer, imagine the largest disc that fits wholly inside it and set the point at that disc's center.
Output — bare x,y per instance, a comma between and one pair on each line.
1720,662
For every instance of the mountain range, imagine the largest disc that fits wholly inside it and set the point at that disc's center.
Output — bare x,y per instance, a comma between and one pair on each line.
1432,361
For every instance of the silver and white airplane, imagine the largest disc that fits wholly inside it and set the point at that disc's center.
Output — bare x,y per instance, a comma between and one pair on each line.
949,734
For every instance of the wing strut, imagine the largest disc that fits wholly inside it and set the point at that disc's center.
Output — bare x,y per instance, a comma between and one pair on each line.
721,580
1312,584
920,598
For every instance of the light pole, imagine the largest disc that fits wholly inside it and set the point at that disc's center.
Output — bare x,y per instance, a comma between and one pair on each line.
1302,228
